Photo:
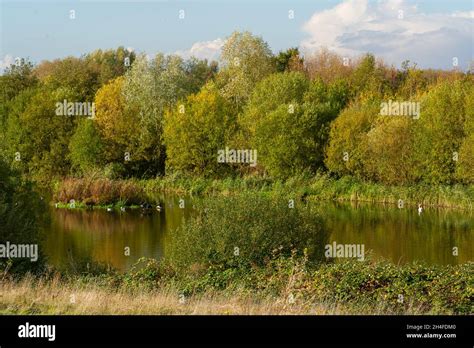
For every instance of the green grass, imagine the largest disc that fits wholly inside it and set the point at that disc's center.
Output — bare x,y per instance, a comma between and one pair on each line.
321,187
132,192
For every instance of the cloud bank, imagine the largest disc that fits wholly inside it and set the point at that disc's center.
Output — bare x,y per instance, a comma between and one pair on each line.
393,30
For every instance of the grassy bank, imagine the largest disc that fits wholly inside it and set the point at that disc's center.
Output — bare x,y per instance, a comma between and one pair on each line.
129,192
285,286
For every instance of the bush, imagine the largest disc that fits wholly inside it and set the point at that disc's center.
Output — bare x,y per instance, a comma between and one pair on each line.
345,153
439,132
258,227
465,164
430,289
20,220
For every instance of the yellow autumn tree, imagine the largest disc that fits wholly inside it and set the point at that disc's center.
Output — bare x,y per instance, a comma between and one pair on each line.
118,125
196,129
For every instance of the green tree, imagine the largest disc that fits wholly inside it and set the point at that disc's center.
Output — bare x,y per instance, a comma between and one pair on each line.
15,79
86,147
388,156
371,77
150,88
287,120
196,130
110,64
465,163
439,132
345,152
75,75
289,60
38,135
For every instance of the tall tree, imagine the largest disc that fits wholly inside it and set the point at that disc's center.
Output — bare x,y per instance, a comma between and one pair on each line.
246,59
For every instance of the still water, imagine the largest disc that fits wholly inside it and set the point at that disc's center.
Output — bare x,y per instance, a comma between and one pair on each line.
399,235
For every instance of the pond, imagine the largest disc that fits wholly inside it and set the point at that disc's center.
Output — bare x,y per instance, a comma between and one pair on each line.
118,239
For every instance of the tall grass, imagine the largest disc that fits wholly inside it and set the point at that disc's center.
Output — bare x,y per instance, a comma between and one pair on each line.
99,191
305,187
323,187
285,285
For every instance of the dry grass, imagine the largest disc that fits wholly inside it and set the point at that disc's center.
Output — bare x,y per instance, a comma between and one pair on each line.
99,191
28,296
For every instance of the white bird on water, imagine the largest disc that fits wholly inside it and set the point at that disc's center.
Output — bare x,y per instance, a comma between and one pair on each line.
109,209
122,208
420,209
158,207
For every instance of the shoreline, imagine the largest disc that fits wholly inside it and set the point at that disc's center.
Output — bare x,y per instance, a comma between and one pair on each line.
131,192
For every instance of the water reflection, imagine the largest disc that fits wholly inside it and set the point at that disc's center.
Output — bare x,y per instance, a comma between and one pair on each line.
400,235
102,237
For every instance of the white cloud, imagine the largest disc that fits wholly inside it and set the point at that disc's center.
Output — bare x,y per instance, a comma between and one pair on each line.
355,27
468,14
209,50
6,61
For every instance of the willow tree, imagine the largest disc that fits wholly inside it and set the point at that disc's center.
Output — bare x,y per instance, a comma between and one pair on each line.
150,88
246,59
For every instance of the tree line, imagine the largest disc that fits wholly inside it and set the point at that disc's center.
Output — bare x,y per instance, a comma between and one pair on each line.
303,114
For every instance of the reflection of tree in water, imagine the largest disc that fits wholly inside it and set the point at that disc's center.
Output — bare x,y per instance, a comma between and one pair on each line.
396,234
401,235
102,236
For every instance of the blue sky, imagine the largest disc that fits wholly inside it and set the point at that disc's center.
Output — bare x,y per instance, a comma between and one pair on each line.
430,33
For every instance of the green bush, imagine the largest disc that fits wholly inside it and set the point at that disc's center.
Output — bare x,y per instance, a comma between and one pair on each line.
347,138
245,231
21,215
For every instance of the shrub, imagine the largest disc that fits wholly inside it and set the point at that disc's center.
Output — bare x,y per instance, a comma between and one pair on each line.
20,219
257,226
347,138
